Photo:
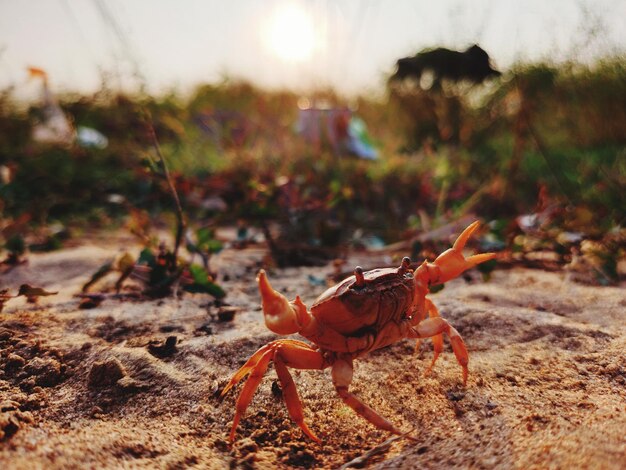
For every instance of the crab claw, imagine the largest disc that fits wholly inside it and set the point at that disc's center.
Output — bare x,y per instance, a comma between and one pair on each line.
281,316
451,263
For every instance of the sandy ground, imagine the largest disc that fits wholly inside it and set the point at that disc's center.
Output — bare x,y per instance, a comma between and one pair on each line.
81,388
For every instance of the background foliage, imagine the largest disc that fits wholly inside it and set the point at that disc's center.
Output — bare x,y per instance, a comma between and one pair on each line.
558,130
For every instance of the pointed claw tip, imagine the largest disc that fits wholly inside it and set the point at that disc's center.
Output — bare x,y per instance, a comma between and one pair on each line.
480,258
460,242
471,228
233,429
264,285
310,434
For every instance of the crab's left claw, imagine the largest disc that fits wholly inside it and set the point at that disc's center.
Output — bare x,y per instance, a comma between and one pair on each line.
281,316
451,263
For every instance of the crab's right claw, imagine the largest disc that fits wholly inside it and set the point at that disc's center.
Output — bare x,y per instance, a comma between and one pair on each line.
452,263
281,316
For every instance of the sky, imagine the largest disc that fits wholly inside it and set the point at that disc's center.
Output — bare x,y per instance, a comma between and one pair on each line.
350,45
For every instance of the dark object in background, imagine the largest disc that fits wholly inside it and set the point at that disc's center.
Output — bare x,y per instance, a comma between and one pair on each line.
226,313
163,349
471,65
32,294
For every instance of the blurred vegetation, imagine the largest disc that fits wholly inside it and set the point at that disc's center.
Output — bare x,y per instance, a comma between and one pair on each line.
236,158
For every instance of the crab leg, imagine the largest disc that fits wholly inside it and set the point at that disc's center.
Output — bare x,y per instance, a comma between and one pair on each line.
300,356
342,371
292,400
285,352
250,386
437,339
435,326
246,369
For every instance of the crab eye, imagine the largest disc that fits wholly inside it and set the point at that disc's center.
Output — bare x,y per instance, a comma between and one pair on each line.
404,266
360,278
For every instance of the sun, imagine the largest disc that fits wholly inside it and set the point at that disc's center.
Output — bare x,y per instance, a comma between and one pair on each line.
291,34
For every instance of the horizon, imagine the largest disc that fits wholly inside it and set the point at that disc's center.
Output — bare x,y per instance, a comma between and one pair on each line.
296,45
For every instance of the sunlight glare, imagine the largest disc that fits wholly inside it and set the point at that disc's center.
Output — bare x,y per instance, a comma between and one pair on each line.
291,34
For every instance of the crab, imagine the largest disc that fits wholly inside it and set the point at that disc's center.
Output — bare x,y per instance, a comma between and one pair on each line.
365,312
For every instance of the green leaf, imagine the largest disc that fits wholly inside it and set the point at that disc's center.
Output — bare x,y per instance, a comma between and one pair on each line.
209,288
214,246
487,268
205,242
146,257
16,245
204,235
202,284
199,274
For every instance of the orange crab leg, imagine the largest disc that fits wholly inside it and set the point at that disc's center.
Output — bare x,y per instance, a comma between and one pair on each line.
435,326
342,371
250,386
285,352
299,355
437,339
246,369
292,400
254,359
